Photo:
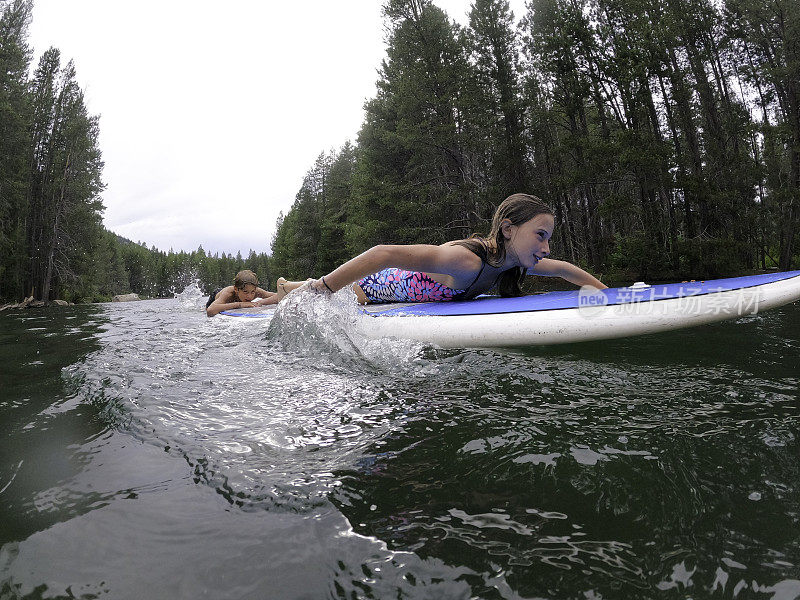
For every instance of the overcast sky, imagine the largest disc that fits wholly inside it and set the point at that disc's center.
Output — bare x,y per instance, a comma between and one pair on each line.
211,113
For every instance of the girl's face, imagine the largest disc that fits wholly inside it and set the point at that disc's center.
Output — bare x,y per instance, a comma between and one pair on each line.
245,294
529,243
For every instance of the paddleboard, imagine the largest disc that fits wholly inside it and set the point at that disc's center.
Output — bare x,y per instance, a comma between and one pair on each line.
574,316
250,313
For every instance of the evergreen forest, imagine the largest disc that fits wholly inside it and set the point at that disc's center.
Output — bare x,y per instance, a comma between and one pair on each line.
665,134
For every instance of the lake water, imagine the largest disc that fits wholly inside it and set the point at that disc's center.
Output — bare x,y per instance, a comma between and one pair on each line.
150,452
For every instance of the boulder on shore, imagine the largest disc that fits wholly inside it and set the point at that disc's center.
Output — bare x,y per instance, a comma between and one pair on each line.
125,298
31,303
24,304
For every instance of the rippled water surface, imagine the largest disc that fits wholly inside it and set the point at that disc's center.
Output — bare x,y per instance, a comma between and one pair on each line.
150,452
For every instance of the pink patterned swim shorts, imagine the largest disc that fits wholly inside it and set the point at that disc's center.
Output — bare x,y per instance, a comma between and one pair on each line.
397,285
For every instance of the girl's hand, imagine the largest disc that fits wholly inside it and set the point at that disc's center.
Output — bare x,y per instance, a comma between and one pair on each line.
318,286
247,304
550,267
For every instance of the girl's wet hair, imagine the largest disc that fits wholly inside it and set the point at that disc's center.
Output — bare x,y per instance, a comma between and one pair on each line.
518,209
244,278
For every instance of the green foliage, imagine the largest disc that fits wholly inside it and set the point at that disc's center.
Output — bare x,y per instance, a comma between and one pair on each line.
310,240
411,181
14,144
711,258
64,222
637,257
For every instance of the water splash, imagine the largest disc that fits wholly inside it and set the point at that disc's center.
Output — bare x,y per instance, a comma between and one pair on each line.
192,297
321,326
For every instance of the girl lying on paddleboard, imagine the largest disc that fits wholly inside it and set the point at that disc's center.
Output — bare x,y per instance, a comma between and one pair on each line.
458,270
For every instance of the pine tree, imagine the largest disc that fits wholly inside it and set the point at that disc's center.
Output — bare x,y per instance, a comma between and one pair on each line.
495,54
767,38
14,144
411,181
66,181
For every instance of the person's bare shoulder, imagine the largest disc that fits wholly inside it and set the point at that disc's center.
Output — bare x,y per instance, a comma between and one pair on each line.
455,260
225,295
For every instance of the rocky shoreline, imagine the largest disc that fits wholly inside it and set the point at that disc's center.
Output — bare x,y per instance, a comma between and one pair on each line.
31,303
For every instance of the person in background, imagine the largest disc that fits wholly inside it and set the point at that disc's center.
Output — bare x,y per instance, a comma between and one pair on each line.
244,293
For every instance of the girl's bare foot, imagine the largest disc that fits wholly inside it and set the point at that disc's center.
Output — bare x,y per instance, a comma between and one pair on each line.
284,287
281,287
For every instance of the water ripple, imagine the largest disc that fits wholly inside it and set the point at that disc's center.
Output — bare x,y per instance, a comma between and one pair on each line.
655,467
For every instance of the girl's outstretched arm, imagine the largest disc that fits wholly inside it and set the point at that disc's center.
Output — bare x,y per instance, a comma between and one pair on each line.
217,307
560,268
453,260
263,298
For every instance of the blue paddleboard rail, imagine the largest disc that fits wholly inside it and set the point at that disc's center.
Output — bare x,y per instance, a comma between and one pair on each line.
487,305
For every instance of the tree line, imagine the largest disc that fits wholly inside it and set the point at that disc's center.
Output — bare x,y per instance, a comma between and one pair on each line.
52,241
665,134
